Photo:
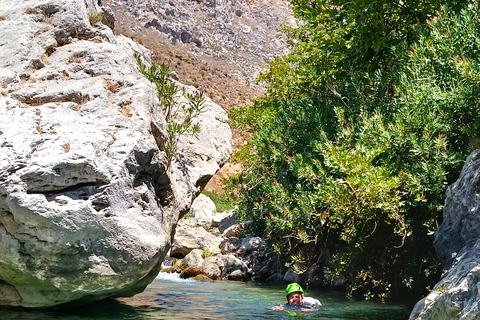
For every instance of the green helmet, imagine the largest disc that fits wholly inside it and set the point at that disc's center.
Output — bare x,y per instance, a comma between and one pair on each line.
293,287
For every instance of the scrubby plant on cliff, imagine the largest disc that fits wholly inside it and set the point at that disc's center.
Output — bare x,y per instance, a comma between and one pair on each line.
179,116
360,137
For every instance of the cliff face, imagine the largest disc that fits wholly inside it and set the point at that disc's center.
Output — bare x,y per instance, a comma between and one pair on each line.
457,242
88,205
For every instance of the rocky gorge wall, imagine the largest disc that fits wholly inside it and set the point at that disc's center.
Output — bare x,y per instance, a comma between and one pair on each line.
457,242
88,205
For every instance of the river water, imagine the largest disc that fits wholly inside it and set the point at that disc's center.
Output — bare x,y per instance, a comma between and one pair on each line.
169,297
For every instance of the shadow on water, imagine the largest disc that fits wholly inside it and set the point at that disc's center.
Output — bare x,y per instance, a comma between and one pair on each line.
170,297
102,310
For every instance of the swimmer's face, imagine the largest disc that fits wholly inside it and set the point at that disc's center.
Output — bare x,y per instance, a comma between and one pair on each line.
295,298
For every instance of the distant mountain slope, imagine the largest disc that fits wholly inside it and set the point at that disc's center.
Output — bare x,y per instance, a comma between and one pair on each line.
220,46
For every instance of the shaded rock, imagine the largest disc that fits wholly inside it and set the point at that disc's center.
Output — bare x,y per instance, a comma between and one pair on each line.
264,271
230,245
187,239
232,263
227,220
233,231
457,242
169,261
250,244
275,278
190,272
108,17
291,276
236,275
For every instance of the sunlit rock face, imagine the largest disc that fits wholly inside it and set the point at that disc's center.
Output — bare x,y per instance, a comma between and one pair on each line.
457,242
88,205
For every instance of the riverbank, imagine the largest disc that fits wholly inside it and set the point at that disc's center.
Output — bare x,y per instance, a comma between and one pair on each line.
213,246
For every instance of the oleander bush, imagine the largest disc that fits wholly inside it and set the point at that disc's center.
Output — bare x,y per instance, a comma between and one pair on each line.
364,126
180,117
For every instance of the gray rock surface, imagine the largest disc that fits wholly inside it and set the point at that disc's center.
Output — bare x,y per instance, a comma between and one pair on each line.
233,264
457,242
88,206
250,244
186,239
230,245
225,220
193,258
213,267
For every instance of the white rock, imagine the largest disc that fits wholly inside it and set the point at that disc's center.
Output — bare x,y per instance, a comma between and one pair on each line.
87,203
193,258
204,209
187,239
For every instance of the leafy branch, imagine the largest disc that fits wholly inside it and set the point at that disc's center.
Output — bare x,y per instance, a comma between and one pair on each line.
179,116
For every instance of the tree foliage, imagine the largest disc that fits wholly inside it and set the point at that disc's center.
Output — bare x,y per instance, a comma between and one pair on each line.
365,124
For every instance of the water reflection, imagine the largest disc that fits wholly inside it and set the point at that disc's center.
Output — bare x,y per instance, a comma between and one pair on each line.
106,309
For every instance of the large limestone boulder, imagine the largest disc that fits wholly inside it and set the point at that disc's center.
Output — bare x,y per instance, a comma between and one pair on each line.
457,242
88,204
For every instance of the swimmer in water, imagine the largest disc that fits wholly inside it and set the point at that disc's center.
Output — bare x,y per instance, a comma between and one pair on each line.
295,298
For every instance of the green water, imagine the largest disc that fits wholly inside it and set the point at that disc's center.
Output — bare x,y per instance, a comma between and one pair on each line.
171,298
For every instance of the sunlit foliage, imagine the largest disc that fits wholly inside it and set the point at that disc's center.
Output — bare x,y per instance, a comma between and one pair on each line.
364,126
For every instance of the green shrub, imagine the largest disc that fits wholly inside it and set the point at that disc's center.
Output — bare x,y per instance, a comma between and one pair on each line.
179,117
349,165
95,17
206,253
223,202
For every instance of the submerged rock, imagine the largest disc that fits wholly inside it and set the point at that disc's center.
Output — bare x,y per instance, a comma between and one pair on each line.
457,242
88,205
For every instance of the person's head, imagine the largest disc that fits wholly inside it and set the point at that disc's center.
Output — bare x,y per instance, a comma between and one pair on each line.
294,294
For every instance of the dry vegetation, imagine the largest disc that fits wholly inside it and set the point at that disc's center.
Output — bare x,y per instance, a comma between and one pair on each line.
125,111
66,147
32,10
74,59
111,86
95,18
212,75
